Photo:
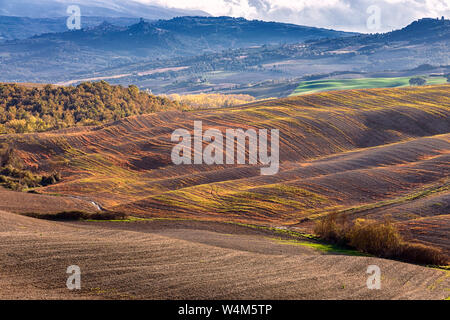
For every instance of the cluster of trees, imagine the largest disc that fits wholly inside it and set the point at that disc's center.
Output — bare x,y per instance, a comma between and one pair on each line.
24,109
211,100
380,238
420,81
12,176
18,180
417,81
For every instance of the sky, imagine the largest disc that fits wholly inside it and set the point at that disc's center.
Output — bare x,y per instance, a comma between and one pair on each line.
368,16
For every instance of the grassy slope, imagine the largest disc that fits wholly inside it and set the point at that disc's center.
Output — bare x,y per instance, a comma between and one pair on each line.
339,150
315,86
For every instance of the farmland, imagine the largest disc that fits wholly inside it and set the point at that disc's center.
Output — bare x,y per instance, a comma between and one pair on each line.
363,154
339,151
307,87
175,259
225,158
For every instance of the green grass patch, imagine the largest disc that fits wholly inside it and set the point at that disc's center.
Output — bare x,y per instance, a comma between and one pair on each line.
287,232
327,248
307,87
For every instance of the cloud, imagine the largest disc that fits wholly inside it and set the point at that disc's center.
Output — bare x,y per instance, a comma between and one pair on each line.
349,15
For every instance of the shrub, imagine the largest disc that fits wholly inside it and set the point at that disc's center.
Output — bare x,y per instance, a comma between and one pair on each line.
420,253
14,177
10,184
381,239
378,238
9,171
329,229
46,181
18,179
78,215
51,179
108,215
8,157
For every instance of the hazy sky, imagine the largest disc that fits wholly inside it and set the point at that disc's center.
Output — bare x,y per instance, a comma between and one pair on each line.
349,15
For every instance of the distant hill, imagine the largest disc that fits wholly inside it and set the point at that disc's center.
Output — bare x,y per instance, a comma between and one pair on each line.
238,32
184,35
53,57
196,46
426,30
12,28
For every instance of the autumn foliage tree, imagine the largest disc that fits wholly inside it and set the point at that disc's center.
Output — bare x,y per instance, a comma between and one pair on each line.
24,109
380,238
212,100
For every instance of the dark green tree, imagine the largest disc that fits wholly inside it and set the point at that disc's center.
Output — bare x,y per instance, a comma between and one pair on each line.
417,81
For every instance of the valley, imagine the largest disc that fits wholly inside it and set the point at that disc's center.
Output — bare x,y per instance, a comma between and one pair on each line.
172,153
223,60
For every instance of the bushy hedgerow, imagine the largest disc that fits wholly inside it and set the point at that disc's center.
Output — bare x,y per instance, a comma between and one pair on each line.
381,239
78,215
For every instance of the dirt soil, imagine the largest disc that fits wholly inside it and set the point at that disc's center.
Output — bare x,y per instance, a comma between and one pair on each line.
189,260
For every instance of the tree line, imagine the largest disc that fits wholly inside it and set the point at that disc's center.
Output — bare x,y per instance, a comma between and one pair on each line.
24,109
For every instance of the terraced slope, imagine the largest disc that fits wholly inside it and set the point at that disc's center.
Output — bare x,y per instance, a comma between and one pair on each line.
366,152
189,261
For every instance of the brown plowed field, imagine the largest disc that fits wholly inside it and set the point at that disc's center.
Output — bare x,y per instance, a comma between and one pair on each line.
189,260
21,202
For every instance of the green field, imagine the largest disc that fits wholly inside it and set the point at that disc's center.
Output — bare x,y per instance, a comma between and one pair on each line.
363,83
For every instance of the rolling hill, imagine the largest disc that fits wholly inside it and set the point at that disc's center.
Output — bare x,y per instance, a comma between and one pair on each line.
313,86
98,50
12,28
185,35
365,153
